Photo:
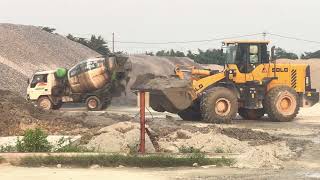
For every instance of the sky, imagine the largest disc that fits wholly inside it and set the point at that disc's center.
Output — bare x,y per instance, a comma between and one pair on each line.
173,20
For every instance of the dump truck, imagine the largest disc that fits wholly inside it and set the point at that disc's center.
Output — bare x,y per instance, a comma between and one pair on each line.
93,81
252,84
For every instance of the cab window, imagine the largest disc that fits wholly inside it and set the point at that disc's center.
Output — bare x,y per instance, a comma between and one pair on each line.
254,54
39,78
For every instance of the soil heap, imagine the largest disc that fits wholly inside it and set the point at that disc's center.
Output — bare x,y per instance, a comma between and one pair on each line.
17,115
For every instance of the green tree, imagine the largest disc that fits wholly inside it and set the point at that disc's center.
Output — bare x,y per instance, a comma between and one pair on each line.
149,53
96,43
48,29
162,53
210,56
170,53
310,55
280,53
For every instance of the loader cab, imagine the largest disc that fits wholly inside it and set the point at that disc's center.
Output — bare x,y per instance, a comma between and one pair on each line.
246,54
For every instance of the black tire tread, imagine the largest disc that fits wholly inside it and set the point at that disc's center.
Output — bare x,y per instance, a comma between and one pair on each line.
208,99
269,104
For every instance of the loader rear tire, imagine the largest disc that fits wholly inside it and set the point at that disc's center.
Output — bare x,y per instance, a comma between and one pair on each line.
219,105
93,103
191,114
282,104
251,114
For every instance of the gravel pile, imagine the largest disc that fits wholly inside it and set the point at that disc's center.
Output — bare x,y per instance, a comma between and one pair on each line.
26,49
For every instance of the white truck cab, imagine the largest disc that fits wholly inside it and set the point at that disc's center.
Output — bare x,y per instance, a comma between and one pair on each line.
39,88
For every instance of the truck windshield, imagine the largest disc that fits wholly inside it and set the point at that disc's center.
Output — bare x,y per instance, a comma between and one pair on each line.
38,78
231,51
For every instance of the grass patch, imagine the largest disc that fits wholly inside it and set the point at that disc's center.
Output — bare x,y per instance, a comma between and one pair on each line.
7,148
189,149
129,161
219,150
35,140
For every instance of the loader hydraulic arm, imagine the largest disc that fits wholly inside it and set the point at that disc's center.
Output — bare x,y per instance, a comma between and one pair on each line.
203,83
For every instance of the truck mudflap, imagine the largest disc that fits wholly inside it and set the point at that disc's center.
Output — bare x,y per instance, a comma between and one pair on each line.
166,93
309,98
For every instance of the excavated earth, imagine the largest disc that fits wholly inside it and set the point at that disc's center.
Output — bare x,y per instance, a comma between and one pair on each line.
17,115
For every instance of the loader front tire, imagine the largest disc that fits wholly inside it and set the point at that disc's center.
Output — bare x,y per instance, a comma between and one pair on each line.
219,105
282,104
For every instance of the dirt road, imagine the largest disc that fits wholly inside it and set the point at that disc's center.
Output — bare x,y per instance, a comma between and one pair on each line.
17,173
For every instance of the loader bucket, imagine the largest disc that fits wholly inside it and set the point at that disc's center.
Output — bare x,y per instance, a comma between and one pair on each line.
166,93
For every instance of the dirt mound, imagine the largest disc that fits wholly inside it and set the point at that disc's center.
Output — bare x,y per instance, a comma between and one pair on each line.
26,49
252,149
17,115
120,137
244,134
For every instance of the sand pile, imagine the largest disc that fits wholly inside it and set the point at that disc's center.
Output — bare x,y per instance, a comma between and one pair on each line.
26,49
17,115
269,154
120,137
253,149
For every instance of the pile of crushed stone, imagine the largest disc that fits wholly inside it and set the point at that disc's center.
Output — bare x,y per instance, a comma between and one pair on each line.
25,49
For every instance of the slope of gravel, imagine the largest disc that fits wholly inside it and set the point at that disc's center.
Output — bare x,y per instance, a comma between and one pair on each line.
26,49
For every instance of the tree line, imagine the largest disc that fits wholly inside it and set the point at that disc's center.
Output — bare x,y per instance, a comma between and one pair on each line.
209,56
215,56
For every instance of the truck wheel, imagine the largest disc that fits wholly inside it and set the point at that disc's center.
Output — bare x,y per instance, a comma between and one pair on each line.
282,104
93,103
220,105
251,114
191,114
44,103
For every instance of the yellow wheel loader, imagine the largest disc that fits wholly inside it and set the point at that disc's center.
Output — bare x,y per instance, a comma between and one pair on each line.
251,84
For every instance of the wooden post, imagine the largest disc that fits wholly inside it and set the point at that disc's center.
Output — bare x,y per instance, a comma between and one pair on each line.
142,122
